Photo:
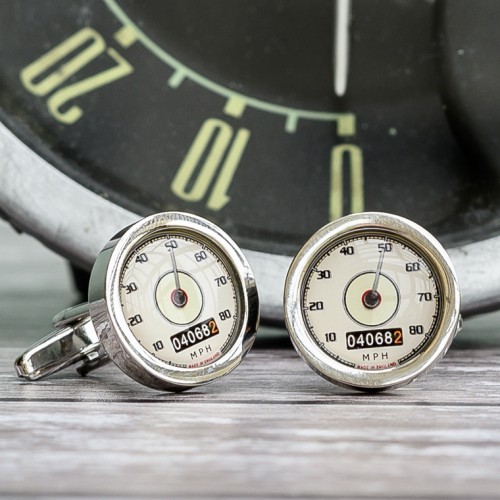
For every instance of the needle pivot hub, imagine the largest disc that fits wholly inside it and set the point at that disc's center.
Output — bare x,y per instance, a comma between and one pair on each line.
371,299
179,297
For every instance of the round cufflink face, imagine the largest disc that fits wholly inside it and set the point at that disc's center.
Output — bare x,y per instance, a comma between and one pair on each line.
178,304
372,301
172,302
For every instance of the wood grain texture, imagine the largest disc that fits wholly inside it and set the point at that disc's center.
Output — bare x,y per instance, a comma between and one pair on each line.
273,428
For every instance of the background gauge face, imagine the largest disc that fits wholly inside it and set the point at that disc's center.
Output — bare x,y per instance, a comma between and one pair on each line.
185,323
118,108
386,332
371,301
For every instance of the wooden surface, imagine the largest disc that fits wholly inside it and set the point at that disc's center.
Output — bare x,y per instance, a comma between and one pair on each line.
271,429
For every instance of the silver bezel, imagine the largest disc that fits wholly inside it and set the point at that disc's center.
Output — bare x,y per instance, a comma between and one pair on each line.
420,240
111,325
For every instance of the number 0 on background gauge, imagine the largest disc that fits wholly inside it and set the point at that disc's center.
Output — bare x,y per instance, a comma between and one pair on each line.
371,301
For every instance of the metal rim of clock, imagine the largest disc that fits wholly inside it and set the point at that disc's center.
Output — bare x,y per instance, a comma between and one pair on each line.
402,230
38,198
104,300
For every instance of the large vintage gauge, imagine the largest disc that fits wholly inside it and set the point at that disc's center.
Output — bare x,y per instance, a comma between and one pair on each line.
267,117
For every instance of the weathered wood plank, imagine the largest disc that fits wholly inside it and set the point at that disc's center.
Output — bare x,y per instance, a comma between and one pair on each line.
463,378
103,449
273,428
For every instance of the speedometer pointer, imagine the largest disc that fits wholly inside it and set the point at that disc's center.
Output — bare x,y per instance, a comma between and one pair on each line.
372,298
178,296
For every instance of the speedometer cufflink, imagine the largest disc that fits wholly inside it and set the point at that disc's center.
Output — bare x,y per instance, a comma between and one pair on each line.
172,302
372,301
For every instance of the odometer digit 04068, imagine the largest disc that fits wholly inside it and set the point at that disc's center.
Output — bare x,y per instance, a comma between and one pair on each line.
372,301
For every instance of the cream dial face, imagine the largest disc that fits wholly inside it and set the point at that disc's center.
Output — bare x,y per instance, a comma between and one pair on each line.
371,302
179,300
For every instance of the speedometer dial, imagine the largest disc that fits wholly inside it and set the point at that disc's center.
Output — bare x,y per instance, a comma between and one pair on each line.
188,315
387,310
173,301
371,301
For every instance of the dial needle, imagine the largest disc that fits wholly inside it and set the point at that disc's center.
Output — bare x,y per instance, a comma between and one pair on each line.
178,297
371,298
341,45
176,273
379,268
